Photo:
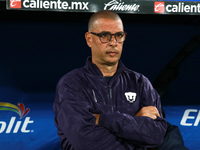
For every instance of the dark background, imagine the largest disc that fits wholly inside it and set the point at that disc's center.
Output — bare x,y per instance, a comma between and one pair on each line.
38,48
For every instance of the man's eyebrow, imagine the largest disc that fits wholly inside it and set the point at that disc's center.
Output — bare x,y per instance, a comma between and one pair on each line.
105,32
110,32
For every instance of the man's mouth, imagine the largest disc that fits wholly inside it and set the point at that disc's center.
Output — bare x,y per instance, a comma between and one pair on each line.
112,53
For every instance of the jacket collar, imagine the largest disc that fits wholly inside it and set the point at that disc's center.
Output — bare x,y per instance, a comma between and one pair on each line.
92,69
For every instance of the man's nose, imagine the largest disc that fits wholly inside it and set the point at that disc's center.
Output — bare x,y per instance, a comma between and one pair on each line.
113,39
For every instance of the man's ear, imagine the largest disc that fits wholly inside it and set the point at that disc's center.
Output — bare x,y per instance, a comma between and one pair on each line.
88,39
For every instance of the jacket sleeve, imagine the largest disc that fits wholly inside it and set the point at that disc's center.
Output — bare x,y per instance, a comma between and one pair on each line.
173,139
76,123
138,130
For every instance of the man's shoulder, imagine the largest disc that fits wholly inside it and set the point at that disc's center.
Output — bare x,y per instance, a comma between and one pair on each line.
135,74
138,78
70,76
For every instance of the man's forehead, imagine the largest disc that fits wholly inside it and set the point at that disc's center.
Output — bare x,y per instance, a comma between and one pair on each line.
108,24
107,21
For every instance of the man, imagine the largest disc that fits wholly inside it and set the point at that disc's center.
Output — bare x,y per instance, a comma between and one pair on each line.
104,105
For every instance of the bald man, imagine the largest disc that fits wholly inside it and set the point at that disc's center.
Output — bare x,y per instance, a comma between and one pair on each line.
104,105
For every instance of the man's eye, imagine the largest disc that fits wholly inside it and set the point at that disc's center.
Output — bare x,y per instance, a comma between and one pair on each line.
120,35
105,35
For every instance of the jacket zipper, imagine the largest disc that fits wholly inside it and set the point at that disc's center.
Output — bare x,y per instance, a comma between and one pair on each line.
110,94
95,99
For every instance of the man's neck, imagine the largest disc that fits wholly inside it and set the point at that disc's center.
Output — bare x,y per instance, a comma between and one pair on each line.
106,70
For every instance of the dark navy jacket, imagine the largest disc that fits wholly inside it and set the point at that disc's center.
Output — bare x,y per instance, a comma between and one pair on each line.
84,92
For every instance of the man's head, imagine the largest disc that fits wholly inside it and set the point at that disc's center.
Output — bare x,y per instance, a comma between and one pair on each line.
105,50
104,14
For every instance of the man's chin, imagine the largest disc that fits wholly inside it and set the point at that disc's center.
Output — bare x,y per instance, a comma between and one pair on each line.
112,62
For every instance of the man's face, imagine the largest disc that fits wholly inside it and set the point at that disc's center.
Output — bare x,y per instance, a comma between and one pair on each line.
105,53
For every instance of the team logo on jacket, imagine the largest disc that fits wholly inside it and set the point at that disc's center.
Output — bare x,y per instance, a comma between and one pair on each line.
130,96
